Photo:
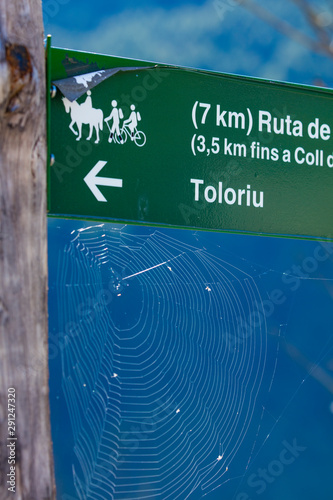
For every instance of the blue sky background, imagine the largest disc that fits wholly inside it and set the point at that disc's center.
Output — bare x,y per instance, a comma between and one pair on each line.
219,35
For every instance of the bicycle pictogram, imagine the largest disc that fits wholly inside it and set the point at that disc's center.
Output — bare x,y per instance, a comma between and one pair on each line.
137,136
128,128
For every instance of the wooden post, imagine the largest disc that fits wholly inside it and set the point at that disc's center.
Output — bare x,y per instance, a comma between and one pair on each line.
23,256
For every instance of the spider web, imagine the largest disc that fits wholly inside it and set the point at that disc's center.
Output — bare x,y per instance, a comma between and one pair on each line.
173,366
162,381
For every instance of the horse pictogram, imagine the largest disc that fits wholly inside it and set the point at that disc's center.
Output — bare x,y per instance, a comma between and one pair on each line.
84,114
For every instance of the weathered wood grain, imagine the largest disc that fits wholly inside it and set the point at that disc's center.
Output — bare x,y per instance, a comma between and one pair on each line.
23,252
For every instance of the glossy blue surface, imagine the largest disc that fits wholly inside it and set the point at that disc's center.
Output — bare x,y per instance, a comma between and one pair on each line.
189,364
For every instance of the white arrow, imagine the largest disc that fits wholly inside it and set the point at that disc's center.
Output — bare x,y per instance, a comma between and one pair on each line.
93,181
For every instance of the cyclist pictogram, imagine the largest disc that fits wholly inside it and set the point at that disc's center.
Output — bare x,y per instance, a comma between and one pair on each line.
128,129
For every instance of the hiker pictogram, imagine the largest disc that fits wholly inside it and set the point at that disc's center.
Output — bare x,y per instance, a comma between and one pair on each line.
116,115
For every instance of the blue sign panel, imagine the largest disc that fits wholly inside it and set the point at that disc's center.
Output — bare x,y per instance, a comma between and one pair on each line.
189,364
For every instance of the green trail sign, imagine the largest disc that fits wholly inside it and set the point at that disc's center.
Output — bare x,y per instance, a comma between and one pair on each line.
135,141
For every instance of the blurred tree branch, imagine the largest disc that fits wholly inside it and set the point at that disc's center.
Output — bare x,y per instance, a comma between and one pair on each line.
320,22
